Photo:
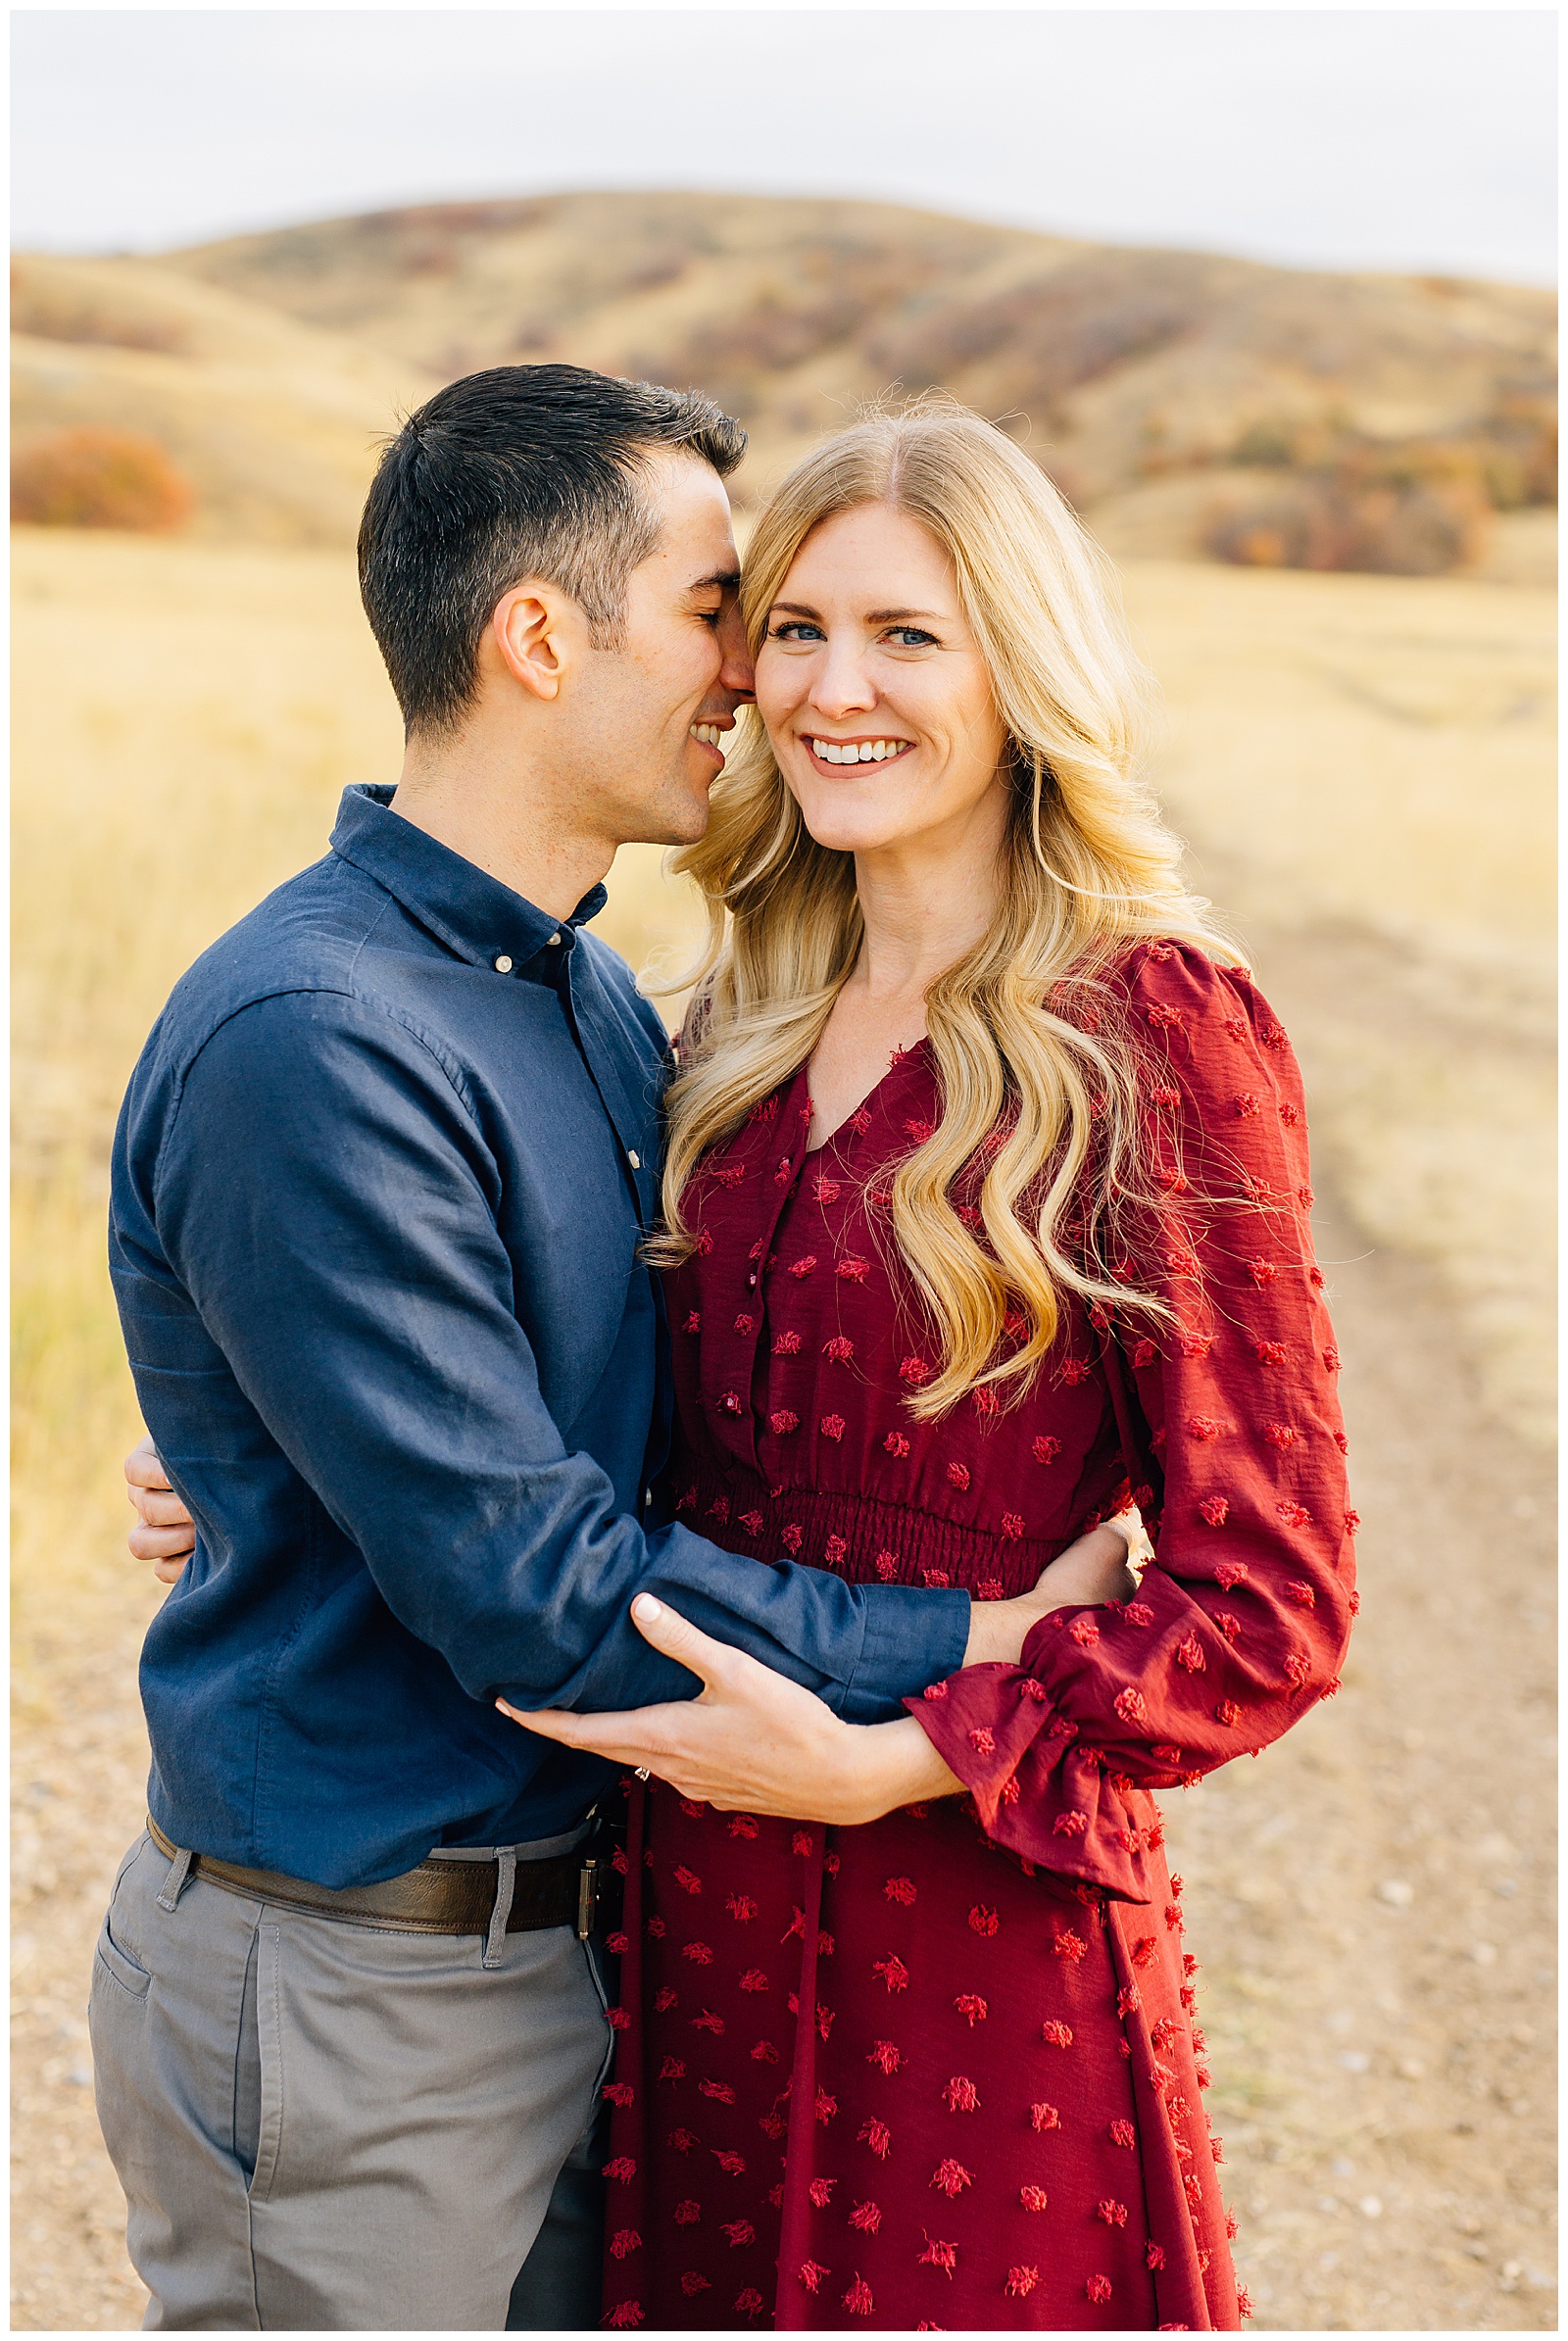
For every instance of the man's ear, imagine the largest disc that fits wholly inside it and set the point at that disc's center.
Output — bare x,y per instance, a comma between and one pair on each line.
536,631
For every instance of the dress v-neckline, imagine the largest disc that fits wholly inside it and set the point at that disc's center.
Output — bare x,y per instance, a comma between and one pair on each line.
897,1063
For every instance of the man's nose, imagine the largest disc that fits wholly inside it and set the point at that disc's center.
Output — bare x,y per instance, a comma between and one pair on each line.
737,674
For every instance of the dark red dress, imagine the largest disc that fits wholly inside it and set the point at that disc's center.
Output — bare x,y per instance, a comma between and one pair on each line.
942,2073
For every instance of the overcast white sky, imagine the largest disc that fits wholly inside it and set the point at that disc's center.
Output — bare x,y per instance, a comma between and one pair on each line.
1399,139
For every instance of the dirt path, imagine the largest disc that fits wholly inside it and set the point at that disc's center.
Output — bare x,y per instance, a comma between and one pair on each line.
78,1775
1372,1901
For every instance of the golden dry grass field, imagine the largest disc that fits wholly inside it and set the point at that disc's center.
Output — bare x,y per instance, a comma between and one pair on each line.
1363,768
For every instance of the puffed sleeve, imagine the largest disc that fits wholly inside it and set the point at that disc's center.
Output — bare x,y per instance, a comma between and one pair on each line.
1230,1416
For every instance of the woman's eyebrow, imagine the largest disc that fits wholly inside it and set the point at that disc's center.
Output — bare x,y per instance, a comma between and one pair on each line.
874,617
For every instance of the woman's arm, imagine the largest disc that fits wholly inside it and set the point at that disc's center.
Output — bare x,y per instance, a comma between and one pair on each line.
1240,1624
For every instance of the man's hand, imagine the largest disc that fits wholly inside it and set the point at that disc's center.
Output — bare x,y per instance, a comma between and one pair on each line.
1094,1569
751,1742
165,1533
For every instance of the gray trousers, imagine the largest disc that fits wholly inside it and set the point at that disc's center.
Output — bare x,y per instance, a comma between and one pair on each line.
323,2127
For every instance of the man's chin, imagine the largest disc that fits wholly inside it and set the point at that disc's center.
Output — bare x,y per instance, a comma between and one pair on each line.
682,819
671,811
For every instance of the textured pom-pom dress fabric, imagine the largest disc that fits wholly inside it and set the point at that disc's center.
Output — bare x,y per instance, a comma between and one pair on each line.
943,2072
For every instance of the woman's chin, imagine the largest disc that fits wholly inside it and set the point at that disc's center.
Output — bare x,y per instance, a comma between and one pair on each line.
846,828
854,837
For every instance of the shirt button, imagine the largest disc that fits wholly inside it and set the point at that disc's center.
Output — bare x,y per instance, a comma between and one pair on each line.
555,938
752,1280
634,1158
502,966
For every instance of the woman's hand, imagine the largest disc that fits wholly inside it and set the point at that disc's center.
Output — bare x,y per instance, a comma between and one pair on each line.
1097,1568
751,1742
1094,1569
165,1533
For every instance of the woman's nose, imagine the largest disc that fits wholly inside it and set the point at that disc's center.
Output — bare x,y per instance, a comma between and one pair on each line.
842,685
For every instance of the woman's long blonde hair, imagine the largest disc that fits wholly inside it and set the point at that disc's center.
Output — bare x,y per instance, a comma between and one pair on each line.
1090,866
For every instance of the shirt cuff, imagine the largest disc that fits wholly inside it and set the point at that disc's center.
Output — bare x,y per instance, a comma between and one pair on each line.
914,1635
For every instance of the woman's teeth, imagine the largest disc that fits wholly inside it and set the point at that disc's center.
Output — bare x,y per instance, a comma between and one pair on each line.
858,752
708,733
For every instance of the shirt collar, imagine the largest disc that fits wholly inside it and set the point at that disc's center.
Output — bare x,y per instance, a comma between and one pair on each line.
472,914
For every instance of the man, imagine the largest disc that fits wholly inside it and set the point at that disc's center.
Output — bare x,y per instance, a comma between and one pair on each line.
378,1186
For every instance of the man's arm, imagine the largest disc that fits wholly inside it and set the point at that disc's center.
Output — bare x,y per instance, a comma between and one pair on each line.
753,1743
327,1200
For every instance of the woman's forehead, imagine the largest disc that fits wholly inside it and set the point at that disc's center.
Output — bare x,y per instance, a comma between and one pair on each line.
854,553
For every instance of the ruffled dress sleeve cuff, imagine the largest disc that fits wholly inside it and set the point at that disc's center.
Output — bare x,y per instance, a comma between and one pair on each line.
1036,1789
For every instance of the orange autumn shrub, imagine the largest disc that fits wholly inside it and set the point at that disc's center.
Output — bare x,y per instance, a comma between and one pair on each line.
95,478
1416,509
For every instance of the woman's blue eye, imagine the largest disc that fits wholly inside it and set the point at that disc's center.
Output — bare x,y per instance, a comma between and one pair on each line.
804,629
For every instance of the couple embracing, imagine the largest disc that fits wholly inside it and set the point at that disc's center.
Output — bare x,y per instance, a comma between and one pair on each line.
653,1740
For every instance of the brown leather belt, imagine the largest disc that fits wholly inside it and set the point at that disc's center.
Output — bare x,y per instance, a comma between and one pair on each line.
437,1898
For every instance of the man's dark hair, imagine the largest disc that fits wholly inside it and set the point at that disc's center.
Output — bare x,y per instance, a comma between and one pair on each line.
521,471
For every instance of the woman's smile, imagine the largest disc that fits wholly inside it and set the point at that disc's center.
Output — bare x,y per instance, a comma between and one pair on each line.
877,748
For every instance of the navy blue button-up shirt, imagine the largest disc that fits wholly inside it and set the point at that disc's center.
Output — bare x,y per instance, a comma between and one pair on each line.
378,1185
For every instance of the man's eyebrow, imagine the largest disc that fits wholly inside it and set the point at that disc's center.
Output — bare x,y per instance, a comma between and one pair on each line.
726,581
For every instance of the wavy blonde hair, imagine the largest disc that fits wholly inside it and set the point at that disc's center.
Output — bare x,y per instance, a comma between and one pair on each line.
1089,867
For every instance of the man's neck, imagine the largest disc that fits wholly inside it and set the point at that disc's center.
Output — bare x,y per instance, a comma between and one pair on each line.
505,821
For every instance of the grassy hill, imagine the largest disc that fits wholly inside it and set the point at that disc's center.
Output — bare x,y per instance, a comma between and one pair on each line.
273,422
1126,369
1188,403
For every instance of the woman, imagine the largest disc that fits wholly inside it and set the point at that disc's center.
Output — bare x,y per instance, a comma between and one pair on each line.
985,1204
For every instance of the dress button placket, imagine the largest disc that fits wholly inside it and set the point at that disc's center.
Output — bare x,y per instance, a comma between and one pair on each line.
755,1276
